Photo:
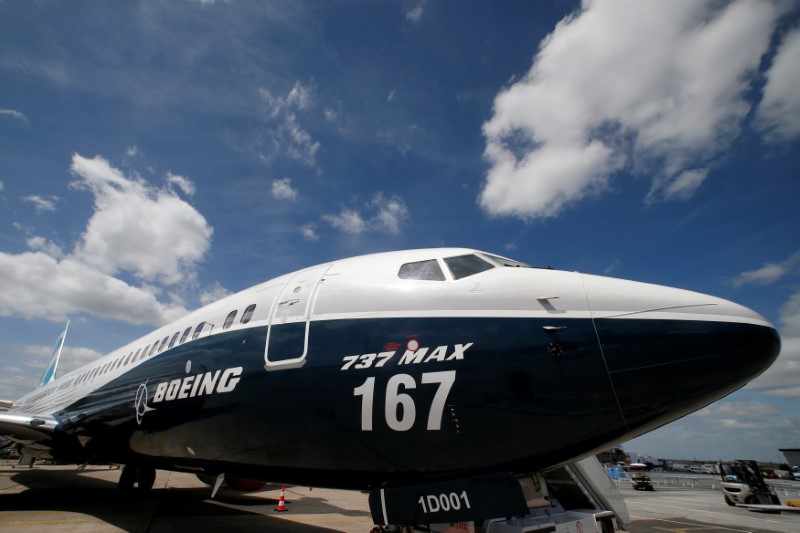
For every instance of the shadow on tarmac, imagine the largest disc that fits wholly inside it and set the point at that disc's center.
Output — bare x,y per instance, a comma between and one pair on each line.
166,509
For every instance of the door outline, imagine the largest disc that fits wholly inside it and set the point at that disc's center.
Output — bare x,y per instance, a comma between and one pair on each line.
285,299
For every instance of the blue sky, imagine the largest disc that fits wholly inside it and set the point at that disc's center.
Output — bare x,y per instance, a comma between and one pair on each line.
156,155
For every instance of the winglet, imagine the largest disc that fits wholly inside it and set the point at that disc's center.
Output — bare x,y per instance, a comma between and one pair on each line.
52,365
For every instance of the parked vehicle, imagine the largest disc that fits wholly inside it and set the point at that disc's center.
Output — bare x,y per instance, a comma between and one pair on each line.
638,474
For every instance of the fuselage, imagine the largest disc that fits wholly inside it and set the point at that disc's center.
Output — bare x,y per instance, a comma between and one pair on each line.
406,365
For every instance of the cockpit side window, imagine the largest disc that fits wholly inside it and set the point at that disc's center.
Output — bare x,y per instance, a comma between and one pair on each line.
462,266
504,261
424,270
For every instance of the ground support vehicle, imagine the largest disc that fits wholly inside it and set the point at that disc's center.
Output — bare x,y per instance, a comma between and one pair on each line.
742,483
641,481
638,474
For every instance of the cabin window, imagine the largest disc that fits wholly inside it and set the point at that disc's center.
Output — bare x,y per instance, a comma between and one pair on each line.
164,343
128,359
153,349
186,334
229,319
248,314
462,266
174,339
424,270
198,330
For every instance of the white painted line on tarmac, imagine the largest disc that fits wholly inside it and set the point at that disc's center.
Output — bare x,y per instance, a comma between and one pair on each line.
688,524
684,509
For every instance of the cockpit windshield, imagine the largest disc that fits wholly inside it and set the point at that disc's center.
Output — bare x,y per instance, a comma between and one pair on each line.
462,266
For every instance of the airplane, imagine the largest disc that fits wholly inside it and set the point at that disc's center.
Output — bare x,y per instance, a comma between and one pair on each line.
397,369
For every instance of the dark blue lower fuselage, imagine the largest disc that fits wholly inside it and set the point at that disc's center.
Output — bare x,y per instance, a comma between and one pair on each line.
523,397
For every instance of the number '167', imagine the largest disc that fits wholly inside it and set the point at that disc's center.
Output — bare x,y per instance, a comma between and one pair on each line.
399,408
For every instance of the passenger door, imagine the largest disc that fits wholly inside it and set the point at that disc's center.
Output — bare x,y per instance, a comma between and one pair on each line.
287,338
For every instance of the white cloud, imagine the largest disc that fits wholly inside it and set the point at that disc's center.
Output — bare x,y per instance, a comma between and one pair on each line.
309,233
763,276
216,292
299,97
42,203
779,112
767,274
381,214
14,385
36,285
14,114
72,357
686,183
615,264
331,114
783,377
282,189
415,13
659,88
136,228
755,424
790,317
348,220
739,409
184,184
289,136
40,244
299,144
391,212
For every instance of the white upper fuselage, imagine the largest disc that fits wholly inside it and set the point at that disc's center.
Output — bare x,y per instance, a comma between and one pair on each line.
371,287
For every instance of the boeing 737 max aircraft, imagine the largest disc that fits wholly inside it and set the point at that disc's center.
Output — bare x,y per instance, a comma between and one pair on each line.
397,369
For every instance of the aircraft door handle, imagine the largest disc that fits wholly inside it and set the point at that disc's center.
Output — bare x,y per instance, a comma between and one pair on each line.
286,303
554,328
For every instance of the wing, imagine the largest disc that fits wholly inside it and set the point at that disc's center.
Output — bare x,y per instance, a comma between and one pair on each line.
31,431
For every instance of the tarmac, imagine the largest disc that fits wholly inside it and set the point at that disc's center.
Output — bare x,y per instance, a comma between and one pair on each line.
61,498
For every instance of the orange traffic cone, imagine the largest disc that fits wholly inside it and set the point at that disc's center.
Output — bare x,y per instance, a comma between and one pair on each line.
281,502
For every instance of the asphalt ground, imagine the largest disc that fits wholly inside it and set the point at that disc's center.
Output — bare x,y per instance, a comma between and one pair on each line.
59,498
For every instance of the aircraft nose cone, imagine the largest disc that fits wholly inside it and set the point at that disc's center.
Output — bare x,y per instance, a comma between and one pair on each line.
672,352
